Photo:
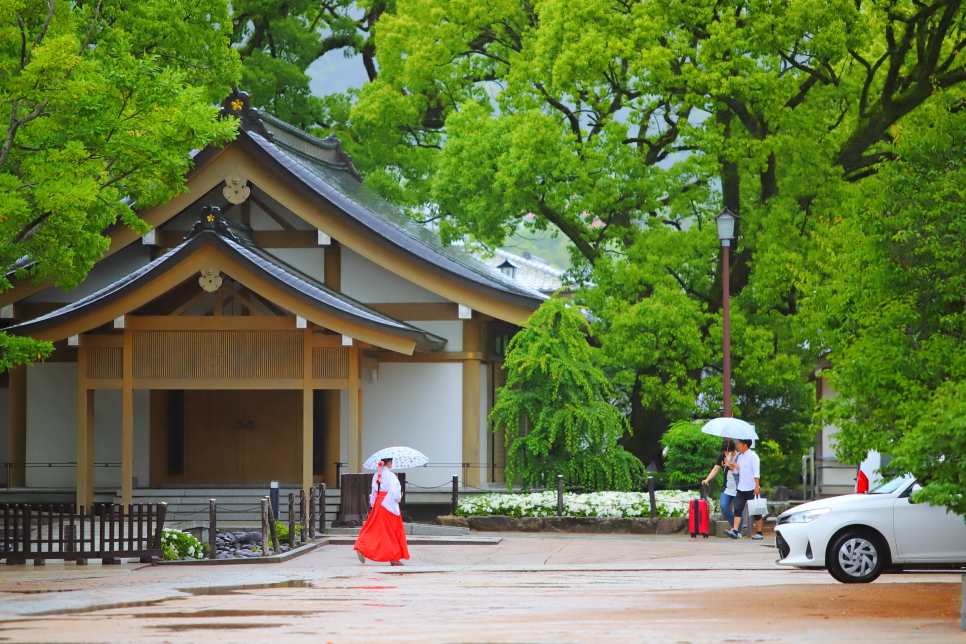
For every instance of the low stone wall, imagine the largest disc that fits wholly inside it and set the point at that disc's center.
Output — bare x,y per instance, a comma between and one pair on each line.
594,525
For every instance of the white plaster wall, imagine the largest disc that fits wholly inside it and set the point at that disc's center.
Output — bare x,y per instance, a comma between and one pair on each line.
366,281
105,272
261,221
310,261
52,429
107,438
419,406
51,423
452,330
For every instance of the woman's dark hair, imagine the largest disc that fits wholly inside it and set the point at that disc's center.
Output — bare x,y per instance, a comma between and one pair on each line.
387,461
728,445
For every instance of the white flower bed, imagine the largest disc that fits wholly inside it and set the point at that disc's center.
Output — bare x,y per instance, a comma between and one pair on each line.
597,504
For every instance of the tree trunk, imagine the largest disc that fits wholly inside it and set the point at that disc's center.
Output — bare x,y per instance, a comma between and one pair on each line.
647,427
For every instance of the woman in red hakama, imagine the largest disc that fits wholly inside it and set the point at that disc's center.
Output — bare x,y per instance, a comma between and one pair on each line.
383,537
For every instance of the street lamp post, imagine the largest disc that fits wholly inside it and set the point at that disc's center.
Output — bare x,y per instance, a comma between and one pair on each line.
726,221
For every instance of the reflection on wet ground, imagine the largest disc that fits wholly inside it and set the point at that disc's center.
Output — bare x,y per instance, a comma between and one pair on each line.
97,607
191,627
227,612
228,590
43,591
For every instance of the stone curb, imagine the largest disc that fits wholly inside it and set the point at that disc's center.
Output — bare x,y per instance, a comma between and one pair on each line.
593,525
272,559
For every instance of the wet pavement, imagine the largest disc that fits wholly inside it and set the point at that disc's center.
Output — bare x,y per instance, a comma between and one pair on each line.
531,588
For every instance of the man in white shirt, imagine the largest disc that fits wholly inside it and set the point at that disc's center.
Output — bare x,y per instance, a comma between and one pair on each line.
748,467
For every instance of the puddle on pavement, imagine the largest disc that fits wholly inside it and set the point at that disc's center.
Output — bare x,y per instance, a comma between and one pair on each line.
97,607
41,592
228,590
226,612
191,627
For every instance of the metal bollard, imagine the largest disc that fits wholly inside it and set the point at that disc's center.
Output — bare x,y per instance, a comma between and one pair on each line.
650,493
456,493
273,495
212,528
560,495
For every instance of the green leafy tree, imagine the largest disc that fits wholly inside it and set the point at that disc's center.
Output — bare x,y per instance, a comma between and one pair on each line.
279,39
689,453
624,128
100,105
556,408
890,303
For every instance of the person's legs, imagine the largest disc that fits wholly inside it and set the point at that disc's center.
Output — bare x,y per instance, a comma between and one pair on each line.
758,522
741,498
724,502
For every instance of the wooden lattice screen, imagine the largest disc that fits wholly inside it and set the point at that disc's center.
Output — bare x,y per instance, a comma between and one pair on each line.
105,362
218,354
330,363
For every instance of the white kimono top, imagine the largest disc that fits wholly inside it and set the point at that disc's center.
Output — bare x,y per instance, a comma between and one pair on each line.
390,484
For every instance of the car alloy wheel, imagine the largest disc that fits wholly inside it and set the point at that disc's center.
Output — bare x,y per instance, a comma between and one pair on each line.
856,558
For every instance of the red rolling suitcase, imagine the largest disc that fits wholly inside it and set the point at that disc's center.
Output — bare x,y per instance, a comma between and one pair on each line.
699,519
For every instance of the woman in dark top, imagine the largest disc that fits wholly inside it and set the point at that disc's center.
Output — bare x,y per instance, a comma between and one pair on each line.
730,487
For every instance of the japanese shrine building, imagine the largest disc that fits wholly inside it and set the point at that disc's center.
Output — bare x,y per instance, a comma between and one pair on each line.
308,322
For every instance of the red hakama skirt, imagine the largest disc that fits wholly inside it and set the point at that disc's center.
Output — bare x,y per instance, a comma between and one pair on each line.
383,537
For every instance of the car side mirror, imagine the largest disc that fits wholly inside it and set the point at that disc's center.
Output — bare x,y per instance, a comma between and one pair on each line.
915,488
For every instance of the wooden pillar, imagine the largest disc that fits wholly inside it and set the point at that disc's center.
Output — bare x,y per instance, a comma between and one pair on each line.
332,266
85,433
355,412
333,434
127,419
17,427
308,399
471,402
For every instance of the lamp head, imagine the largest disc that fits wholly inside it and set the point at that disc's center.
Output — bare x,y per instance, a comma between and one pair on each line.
725,221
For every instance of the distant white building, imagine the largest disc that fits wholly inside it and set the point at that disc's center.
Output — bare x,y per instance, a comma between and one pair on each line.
529,271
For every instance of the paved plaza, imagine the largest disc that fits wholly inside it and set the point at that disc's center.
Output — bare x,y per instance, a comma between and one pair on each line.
531,588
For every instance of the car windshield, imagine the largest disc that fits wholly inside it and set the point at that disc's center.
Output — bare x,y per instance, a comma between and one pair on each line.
890,486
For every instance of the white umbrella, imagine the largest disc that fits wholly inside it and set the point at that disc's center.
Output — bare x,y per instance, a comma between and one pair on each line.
730,428
402,457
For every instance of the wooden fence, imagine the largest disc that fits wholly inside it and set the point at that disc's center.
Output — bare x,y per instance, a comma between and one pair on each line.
106,532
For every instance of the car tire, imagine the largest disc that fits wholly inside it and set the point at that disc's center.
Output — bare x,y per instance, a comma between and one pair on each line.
856,557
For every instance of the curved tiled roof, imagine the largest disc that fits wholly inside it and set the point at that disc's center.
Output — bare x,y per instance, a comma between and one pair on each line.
235,240
321,166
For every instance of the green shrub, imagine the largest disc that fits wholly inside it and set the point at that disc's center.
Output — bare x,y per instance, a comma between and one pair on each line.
282,530
689,454
176,544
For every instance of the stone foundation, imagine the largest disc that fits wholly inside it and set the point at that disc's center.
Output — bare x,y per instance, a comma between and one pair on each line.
593,525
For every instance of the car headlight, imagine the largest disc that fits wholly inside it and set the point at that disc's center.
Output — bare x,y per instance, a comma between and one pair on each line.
804,517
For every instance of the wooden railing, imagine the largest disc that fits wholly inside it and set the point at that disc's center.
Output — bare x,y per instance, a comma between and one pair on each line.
106,532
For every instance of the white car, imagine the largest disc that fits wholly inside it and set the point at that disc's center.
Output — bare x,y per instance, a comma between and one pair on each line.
858,536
